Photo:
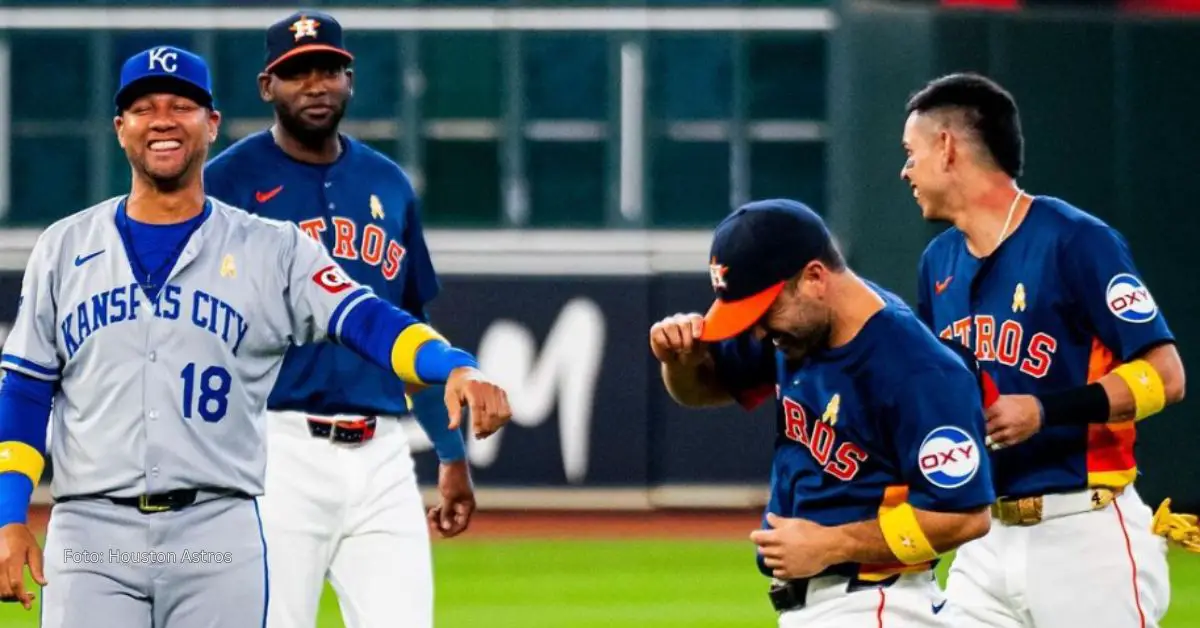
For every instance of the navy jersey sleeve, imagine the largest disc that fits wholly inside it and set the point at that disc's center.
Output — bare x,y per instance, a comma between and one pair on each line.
1113,300
924,296
746,367
221,183
420,282
938,431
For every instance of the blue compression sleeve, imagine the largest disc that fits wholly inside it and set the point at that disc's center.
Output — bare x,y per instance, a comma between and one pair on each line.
371,329
24,418
429,406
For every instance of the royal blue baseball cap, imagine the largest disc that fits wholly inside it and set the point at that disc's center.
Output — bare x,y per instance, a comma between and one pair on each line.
755,251
304,32
164,69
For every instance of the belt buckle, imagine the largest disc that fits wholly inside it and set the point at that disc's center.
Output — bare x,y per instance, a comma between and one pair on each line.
144,505
353,432
1024,511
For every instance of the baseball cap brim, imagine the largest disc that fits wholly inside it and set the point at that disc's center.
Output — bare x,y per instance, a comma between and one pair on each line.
309,49
726,319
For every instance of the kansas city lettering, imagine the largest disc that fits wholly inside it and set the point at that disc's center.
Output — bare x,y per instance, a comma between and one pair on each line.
371,245
124,303
841,461
1004,343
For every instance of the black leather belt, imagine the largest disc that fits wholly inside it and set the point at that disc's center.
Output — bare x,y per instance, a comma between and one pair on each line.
792,595
160,502
353,432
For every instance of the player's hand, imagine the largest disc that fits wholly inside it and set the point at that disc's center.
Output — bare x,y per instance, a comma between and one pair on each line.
675,339
1012,419
19,548
794,548
452,516
468,390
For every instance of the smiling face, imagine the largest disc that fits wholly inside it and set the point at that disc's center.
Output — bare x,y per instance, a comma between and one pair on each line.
800,319
310,93
166,137
928,148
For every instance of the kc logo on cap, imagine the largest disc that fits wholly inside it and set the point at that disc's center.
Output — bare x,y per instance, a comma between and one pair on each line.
165,58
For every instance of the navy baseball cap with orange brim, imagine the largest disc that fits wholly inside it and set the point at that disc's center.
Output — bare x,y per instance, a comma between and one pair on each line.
755,251
303,33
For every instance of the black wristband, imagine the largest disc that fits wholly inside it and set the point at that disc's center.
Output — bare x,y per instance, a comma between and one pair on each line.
1081,405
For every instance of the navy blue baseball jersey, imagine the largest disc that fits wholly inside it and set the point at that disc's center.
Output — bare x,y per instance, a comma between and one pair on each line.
1058,305
363,208
893,416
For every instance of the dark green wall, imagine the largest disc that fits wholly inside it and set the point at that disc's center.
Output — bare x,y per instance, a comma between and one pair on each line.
1109,111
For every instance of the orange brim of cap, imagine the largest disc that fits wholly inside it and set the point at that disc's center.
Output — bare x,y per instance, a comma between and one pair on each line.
726,319
295,52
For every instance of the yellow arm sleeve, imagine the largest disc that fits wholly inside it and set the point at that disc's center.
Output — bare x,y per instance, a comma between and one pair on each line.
1146,384
21,458
904,535
404,351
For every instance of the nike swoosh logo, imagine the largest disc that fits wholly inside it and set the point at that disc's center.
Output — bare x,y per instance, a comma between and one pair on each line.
937,608
263,197
940,286
80,260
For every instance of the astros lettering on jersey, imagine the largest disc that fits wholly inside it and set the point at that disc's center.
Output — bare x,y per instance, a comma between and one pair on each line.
1039,320
363,208
891,417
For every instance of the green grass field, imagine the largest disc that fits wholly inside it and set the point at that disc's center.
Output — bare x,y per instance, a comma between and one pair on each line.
609,584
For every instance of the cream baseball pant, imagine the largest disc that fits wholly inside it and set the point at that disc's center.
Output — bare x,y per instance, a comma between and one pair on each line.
1077,568
349,513
912,601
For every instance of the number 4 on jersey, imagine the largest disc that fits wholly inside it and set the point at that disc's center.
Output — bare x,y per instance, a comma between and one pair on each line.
213,401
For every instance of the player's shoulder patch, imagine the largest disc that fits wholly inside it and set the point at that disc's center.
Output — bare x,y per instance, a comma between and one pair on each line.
949,457
1129,299
332,279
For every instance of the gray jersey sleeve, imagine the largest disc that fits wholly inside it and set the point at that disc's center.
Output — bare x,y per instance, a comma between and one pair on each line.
31,346
318,292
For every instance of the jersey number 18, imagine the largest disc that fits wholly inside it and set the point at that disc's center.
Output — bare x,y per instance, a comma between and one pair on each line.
213,401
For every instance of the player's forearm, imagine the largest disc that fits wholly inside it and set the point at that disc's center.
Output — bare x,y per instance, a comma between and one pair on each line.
428,406
24,418
395,340
1167,367
866,541
694,386
1133,391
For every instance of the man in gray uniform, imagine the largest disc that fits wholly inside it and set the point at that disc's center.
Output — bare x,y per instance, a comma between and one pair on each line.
156,323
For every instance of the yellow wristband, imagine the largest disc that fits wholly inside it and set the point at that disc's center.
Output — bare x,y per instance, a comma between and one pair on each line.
904,535
1146,384
21,458
404,351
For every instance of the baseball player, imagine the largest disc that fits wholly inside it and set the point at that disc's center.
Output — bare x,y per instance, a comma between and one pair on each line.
154,324
878,465
1049,300
333,415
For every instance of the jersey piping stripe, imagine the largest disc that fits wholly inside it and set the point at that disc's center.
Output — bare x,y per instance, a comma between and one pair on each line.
1110,459
33,369
1137,594
879,611
266,571
339,312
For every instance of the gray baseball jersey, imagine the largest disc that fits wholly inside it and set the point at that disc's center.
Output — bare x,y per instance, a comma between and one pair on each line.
161,395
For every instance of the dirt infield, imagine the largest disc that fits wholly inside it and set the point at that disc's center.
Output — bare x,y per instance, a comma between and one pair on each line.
542,524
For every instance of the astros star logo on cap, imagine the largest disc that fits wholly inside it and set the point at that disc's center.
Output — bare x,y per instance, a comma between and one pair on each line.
305,27
716,272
